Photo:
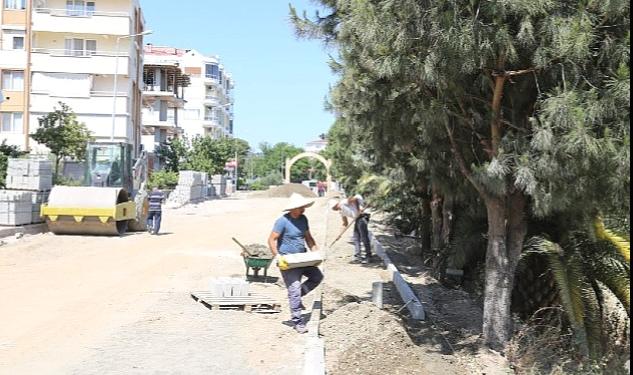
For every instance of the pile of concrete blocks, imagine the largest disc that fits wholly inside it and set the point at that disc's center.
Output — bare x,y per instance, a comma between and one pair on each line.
229,287
191,188
29,182
30,174
217,188
15,207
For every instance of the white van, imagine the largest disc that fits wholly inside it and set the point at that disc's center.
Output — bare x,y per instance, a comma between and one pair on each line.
312,185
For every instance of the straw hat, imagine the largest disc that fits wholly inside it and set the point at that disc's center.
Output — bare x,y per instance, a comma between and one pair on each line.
298,201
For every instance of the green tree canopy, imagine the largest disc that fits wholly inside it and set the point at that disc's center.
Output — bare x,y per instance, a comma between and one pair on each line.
203,154
525,103
63,135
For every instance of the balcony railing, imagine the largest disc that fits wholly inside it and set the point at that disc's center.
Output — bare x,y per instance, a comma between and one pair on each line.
85,12
77,53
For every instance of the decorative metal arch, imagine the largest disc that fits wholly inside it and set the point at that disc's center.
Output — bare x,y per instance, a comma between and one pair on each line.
326,162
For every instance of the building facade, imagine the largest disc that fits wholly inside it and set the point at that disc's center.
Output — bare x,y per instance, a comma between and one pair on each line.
164,84
208,110
84,54
15,27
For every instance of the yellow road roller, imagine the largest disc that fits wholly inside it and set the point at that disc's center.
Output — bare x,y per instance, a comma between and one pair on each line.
114,200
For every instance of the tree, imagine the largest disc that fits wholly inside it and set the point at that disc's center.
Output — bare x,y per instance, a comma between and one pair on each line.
515,102
273,160
203,154
173,153
210,155
6,152
63,135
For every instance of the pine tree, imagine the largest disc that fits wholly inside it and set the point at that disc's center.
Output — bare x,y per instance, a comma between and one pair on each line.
529,99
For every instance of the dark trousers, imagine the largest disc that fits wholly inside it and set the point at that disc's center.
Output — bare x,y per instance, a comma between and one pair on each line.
153,221
361,235
296,289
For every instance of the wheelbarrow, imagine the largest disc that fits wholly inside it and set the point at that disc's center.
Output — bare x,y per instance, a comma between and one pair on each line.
255,261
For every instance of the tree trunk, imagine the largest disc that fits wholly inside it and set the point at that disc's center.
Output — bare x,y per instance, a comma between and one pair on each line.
425,225
436,222
507,228
447,221
56,176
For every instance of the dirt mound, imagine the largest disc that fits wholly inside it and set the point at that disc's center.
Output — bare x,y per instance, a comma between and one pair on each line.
285,191
364,339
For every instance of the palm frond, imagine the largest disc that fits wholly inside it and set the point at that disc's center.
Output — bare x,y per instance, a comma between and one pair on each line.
623,245
614,275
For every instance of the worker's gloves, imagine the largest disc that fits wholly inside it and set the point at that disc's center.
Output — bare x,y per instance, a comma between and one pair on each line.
281,263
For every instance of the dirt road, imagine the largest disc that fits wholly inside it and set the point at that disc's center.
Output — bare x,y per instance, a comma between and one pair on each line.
89,305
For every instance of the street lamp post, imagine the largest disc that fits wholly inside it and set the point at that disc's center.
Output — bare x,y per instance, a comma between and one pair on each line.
116,76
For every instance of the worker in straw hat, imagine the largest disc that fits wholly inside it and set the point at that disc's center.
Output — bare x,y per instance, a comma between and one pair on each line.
290,235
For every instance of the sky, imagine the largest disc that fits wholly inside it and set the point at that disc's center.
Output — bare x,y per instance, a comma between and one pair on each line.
281,82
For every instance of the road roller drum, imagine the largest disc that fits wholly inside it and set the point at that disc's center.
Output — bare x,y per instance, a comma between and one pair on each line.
88,210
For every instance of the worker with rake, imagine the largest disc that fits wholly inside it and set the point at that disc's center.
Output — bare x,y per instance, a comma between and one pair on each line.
290,235
353,208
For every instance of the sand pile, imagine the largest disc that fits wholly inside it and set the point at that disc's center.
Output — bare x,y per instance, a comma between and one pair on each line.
285,191
259,251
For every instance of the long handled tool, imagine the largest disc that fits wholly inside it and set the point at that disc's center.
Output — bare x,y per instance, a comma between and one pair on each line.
344,230
242,246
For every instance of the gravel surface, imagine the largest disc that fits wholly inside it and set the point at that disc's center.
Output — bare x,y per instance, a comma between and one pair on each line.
362,339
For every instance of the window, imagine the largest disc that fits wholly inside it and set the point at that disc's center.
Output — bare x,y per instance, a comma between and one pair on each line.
18,42
13,80
80,47
91,47
11,122
15,4
212,71
80,8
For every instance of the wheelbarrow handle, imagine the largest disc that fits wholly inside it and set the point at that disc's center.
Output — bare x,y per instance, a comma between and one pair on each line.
242,246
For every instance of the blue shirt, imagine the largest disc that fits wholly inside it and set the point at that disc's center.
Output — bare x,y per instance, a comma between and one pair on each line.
155,201
291,234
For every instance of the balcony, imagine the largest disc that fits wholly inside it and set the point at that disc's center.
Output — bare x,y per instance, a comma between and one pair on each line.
98,103
89,62
211,122
151,93
212,79
81,21
153,119
212,100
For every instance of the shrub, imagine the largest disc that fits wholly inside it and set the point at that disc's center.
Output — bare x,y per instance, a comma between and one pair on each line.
163,180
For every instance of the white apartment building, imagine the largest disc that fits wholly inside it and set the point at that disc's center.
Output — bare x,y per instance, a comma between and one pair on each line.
74,51
208,109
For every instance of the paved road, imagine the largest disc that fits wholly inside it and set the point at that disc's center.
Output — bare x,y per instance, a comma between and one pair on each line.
88,305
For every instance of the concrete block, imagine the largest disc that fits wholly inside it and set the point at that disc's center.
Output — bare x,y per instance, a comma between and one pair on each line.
29,167
228,287
33,183
377,293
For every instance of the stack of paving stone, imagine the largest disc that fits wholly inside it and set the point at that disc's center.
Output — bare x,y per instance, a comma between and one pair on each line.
29,182
218,183
229,287
30,174
15,207
191,188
